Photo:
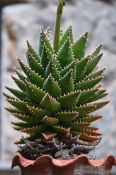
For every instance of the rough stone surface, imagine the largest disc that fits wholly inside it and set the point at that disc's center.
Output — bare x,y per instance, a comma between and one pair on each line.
9,172
4,2
95,17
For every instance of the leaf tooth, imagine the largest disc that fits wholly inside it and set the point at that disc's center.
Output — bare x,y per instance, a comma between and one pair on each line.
93,128
47,50
12,99
47,34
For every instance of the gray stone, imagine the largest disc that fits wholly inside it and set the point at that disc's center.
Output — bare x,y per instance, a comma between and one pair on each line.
4,2
104,32
106,125
9,135
9,172
112,91
109,61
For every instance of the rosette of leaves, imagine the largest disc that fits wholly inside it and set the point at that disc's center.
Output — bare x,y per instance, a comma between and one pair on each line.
58,89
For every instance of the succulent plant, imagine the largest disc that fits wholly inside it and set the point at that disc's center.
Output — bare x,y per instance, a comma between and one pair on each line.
59,90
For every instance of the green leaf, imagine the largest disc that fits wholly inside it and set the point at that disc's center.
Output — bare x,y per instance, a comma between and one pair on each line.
28,119
52,87
36,94
81,69
50,121
8,96
52,69
98,95
79,47
13,110
34,130
34,64
61,130
88,84
95,74
66,83
37,112
86,109
93,63
85,96
68,68
69,100
65,55
46,56
66,116
33,52
20,105
33,77
18,94
99,105
20,75
20,83
44,40
28,124
65,35
50,104
90,118
97,51
78,125
19,125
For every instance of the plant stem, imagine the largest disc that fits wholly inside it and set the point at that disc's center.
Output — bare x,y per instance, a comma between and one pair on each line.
57,26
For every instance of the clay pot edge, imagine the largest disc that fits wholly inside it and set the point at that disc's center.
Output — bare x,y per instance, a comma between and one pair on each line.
22,162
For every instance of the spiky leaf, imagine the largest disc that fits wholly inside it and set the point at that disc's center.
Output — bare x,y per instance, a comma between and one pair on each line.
50,103
65,35
67,80
88,84
65,55
67,116
34,64
79,47
33,77
69,100
20,105
52,87
36,94
33,52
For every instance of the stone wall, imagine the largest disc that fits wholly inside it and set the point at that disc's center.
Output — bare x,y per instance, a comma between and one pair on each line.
22,22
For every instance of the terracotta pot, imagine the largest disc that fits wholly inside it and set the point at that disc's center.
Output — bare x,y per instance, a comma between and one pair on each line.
46,165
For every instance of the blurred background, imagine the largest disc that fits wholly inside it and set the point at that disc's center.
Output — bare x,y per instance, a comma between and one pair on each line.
20,20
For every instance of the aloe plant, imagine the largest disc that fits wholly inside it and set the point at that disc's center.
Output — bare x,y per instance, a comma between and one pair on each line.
57,93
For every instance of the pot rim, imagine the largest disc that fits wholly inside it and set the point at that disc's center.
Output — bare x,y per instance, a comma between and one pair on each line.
22,162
